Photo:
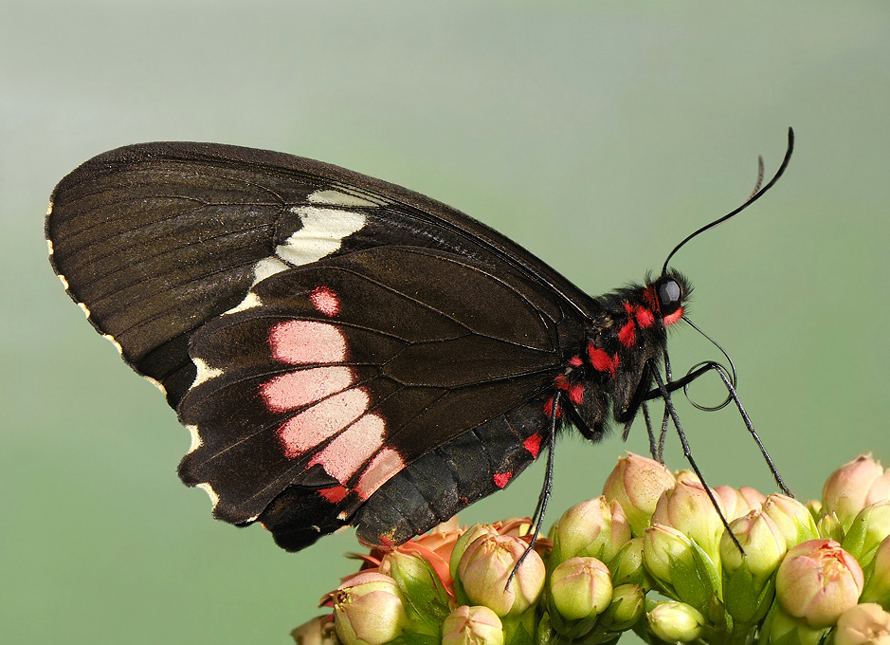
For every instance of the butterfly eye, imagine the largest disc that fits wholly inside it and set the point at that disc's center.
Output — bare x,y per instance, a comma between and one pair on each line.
670,295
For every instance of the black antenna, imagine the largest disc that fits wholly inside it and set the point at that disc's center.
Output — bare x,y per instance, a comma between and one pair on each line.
753,198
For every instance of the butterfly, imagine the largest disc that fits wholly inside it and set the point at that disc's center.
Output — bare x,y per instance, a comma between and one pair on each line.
343,351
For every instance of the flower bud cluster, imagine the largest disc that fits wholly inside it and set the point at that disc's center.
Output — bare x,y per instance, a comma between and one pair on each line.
785,572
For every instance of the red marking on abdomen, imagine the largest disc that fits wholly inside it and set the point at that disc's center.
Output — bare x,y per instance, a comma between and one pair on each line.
302,387
345,455
674,317
533,445
301,342
323,420
384,465
334,495
325,300
576,393
501,479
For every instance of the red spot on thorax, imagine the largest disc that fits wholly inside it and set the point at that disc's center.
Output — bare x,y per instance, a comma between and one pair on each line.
674,317
644,317
601,361
575,361
627,335
325,300
533,445
333,495
501,479
649,297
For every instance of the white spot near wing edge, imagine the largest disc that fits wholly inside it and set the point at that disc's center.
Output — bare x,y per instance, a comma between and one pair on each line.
207,488
321,235
196,438
336,198
205,372
49,208
250,301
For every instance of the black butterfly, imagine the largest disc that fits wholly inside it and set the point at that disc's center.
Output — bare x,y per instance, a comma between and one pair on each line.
343,351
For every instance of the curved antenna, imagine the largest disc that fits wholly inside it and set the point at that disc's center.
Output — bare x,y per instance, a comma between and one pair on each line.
753,198
734,379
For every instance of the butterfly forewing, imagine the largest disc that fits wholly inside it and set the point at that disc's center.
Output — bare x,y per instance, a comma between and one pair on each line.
343,350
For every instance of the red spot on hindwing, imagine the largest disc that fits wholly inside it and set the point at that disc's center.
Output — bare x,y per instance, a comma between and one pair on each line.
501,479
334,495
533,445
325,300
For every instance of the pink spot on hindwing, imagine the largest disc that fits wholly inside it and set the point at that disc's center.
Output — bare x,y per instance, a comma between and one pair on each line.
304,431
301,387
347,453
325,300
303,342
384,465
501,479
334,495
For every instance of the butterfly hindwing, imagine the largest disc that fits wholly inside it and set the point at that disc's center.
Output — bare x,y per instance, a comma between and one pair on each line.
335,377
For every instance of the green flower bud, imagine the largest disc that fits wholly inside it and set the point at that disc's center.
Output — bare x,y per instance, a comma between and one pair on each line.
830,528
747,577
627,566
628,604
793,519
681,568
868,530
818,581
422,590
781,629
688,509
675,622
854,486
595,528
636,483
865,624
368,610
487,564
738,501
580,588
472,626
877,577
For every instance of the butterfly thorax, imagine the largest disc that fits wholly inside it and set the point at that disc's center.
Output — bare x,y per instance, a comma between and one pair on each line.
623,343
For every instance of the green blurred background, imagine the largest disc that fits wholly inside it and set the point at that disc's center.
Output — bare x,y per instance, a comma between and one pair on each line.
597,134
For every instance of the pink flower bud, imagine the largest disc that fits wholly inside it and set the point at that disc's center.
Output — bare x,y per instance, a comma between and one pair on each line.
854,486
581,588
817,581
688,509
865,624
368,610
675,622
738,501
595,528
793,518
472,626
318,631
487,564
868,530
636,483
469,536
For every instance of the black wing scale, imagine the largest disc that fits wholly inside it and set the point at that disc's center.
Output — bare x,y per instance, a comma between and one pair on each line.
345,351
